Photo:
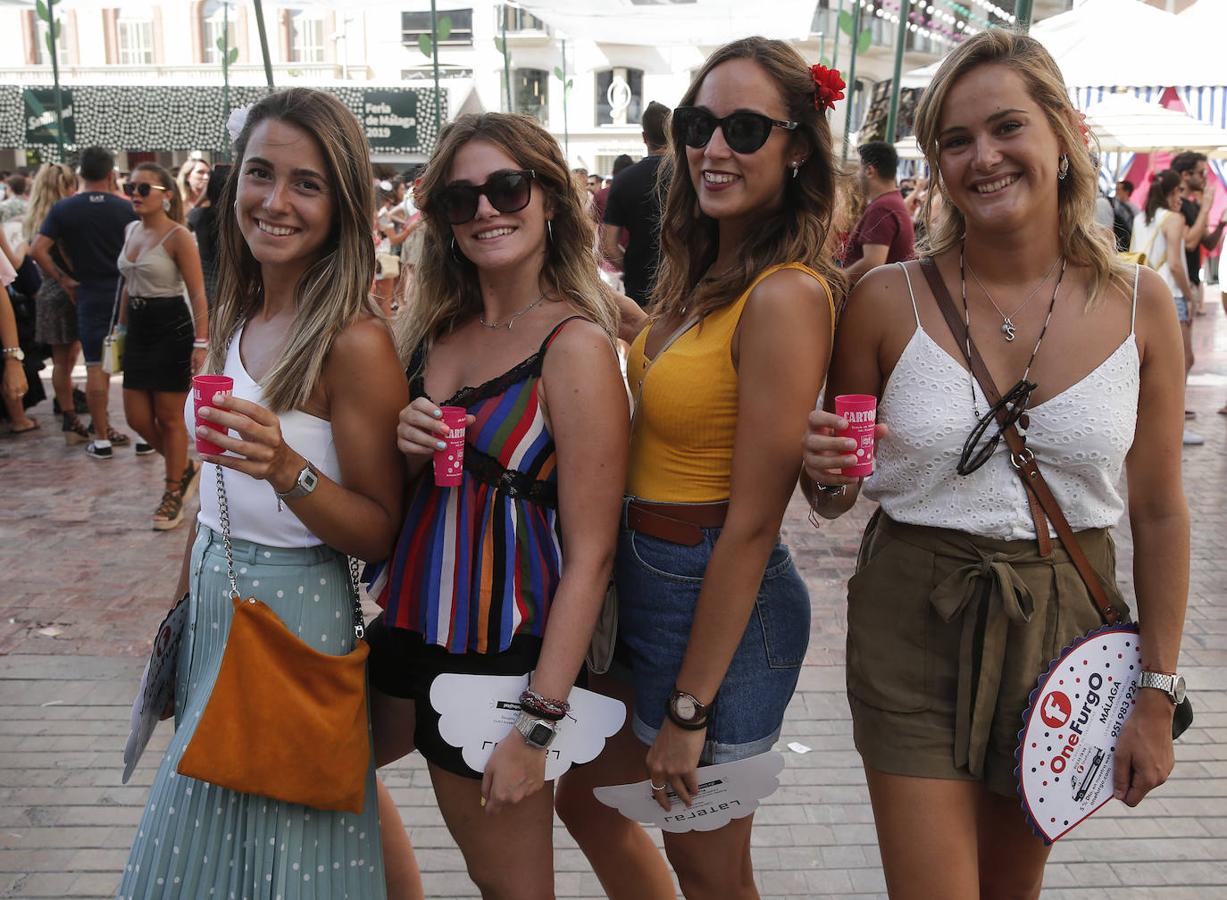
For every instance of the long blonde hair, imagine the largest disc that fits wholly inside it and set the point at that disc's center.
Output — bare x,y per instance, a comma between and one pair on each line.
796,232
185,189
53,183
334,290
446,289
1083,243
175,213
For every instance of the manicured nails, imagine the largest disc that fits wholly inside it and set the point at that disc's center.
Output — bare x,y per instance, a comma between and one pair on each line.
438,413
439,445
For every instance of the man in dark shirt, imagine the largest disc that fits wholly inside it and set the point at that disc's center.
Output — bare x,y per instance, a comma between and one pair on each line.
90,227
634,204
885,233
1193,170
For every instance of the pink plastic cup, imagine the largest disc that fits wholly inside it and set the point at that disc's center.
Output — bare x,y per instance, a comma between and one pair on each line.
203,389
861,411
449,462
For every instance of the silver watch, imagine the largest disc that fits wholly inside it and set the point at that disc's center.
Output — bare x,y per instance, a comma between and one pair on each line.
1172,685
537,733
14,353
308,478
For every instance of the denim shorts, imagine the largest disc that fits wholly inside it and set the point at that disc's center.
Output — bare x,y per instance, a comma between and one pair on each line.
658,588
95,307
1182,309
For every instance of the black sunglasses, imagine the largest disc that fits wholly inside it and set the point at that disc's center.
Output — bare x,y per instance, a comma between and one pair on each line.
143,189
744,132
976,450
507,192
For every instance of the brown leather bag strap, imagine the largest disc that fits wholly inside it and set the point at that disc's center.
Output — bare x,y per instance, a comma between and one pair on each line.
1022,460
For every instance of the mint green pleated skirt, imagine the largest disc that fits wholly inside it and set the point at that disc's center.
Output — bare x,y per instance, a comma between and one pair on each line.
197,840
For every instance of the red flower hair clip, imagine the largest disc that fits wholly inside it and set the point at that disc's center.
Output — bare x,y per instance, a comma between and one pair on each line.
1082,127
828,87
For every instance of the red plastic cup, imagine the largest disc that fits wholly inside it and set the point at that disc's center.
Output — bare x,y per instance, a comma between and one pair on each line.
203,389
861,412
449,462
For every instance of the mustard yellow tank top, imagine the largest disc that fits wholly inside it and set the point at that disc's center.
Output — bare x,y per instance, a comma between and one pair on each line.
682,442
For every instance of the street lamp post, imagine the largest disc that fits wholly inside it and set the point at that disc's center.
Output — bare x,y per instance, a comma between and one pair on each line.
892,117
1022,14
434,51
268,62
856,39
52,28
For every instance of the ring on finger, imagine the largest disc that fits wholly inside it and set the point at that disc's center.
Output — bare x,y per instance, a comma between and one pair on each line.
657,787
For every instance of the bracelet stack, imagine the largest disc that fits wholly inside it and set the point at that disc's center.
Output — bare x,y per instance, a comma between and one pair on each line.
200,344
544,707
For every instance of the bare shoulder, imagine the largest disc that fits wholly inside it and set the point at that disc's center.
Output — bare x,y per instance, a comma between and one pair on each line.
364,343
1156,309
787,288
883,296
577,344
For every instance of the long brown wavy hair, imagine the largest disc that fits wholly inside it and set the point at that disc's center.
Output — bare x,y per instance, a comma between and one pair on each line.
334,290
171,193
796,232
1083,243
446,291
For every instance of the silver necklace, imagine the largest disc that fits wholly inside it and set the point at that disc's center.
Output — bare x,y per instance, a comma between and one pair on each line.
1007,322
509,322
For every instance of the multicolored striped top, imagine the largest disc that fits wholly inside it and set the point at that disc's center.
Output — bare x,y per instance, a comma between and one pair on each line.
477,564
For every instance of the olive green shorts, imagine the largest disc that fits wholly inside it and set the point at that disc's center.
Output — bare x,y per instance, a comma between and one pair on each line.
948,633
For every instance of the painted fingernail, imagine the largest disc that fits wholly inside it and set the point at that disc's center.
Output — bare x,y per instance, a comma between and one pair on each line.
201,430
219,397
439,445
438,414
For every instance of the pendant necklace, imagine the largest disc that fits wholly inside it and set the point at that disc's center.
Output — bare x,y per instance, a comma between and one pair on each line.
1008,327
509,322
1052,305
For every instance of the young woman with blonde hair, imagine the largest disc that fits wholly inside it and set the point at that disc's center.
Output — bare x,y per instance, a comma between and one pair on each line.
193,183
957,606
510,321
311,476
162,306
55,318
713,616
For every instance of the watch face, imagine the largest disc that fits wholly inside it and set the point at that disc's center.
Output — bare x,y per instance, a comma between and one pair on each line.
1178,688
541,734
684,707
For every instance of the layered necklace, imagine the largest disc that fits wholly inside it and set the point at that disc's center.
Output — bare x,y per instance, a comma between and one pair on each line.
1007,322
508,322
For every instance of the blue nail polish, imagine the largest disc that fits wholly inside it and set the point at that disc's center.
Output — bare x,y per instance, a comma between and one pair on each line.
438,413
439,445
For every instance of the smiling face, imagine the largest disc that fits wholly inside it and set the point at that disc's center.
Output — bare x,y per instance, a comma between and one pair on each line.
494,240
737,186
997,152
284,202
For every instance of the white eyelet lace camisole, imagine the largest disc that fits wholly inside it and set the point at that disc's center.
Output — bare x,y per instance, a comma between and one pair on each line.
1080,438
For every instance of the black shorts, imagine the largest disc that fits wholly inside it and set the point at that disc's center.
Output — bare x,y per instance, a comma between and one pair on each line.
403,665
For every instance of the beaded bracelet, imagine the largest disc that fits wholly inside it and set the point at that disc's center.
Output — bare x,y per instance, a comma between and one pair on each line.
545,708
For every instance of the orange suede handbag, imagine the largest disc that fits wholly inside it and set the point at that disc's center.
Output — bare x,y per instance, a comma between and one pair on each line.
284,720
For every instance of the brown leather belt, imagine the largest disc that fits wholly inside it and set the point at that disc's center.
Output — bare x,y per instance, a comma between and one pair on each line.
677,523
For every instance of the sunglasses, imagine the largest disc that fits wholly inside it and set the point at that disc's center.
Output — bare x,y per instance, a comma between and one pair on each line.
143,189
507,192
977,450
744,132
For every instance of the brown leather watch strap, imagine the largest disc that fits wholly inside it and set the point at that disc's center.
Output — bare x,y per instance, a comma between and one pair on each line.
1022,460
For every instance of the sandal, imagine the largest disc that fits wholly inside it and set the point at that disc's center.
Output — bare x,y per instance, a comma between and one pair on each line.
169,513
74,430
117,438
190,481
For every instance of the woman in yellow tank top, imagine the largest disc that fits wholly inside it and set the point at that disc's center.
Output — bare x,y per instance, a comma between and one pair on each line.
714,619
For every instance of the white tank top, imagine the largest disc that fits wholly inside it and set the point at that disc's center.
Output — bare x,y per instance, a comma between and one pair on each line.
1149,239
1080,438
153,273
253,504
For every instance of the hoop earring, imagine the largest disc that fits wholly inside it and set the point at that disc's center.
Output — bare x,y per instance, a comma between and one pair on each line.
456,256
549,231
1062,167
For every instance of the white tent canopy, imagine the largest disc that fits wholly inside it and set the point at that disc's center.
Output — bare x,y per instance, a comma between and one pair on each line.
1125,122
1122,42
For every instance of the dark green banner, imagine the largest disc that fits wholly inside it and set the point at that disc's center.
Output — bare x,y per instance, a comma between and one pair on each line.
40,116
390,119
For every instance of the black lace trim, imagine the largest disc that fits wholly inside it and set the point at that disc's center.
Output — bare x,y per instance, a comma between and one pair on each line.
512,482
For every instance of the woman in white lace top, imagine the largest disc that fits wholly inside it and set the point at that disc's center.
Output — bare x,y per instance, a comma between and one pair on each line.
954,611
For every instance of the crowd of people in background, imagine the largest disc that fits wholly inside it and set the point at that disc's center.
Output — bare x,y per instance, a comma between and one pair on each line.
351,305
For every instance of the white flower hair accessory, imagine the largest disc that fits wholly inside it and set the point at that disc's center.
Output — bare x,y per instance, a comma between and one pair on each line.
238,118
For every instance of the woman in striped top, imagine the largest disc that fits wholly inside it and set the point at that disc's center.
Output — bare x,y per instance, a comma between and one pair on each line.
508,299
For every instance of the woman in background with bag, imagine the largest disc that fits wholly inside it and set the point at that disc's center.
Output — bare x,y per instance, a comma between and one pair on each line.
504,573
165,339
713,616
960,601
311,475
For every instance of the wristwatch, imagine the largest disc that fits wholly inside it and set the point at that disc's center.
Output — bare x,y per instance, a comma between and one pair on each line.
1172,685
14,353
685,711
537,733
308,478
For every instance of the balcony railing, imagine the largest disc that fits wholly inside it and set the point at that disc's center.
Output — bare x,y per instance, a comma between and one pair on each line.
243,74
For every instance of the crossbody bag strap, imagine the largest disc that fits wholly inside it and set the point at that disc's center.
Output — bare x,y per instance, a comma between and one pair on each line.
1022,460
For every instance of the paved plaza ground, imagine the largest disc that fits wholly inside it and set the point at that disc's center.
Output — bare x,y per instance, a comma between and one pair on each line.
83,582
